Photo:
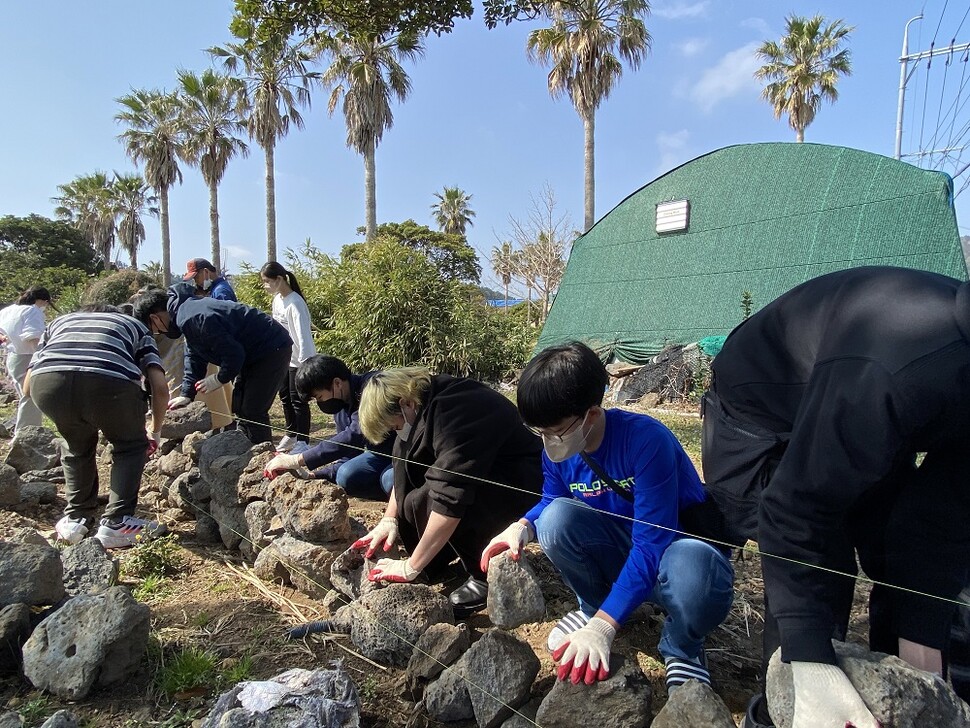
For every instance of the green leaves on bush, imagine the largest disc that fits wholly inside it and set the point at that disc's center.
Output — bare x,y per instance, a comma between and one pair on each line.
116,288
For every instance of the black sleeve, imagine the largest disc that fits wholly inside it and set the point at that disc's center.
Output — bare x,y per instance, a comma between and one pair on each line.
848,436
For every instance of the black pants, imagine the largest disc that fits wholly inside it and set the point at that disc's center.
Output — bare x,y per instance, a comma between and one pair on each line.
296,411
255,389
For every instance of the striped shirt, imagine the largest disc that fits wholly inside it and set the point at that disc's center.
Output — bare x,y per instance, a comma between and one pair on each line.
107,344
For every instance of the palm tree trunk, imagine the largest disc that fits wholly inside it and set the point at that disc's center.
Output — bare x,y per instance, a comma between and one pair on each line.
589,190
270,202
166,237
134,256
506,297
799,135
214,223
370,191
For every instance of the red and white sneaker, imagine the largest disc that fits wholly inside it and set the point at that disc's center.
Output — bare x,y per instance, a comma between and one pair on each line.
128,532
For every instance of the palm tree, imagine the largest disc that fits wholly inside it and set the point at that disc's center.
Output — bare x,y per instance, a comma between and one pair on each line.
209,115
451,211
87,203
582,46
132,201
154,138
503,263
803,69
277,85
367,72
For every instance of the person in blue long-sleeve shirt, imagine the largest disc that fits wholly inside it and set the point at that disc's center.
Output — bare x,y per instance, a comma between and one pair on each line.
616,487
250,348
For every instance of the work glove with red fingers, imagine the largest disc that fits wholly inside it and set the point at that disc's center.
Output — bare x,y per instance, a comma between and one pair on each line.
395,570
385,532
824,698
280,464
154,440
513,539
210,384
179,403
585,655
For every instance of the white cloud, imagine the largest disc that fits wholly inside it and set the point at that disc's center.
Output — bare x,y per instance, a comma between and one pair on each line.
692,46
672,149
732,75
679,9
760,25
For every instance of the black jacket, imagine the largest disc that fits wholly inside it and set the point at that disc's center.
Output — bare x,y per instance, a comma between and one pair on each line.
465,429
859,371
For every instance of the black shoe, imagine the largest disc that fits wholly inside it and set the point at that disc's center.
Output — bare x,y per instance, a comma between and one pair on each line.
757,708
469,597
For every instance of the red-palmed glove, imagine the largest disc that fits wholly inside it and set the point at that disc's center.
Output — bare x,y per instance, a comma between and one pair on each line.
513,539
179,403
210,384
280,464
824,698
384,533
585,655
154,440
396,570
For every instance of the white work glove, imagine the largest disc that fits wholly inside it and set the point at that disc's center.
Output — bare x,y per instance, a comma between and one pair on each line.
280,464
179,402
396,570
513,539
210,384
385,532
824,698
585,655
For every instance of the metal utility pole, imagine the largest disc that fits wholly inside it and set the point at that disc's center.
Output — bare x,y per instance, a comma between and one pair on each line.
904,77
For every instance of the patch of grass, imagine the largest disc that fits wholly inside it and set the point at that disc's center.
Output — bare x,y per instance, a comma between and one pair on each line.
222,587
368,689
188,670
161,557
236,673
151,588
686,428
200,619
36,709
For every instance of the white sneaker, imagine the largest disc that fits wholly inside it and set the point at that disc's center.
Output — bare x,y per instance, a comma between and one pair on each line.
565,627
71,530
286,444
128,532
299,447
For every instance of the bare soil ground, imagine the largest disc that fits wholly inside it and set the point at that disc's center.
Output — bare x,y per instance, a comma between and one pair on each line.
215,605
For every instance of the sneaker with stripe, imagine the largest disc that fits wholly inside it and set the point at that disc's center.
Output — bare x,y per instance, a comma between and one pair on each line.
565,627
679,670
128,532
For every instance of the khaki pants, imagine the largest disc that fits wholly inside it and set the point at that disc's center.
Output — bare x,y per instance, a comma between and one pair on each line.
172,352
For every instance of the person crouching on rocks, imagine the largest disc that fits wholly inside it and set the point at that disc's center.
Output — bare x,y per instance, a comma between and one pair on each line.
458,444
617,488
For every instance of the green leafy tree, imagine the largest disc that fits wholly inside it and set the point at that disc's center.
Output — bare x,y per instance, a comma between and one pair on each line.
116,288
451,254
272,20
803,68
582,46
452,212
277,81
87,202
210,118
154,139
366,72
132,202
44,243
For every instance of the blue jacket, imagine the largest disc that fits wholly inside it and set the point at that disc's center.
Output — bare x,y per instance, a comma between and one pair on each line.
332,452
227,334
641,454
221,290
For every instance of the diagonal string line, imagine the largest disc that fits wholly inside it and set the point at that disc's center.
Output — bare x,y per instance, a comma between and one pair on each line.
746,548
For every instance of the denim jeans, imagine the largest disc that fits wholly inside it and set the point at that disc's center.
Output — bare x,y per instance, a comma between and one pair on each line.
695,583
360,476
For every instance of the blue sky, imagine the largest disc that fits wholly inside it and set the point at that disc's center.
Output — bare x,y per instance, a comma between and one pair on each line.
479,115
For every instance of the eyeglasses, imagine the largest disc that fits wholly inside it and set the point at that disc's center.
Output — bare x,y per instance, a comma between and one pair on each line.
556,437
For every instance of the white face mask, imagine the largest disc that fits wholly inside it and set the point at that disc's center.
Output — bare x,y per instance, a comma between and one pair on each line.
206,284
563,448
405,432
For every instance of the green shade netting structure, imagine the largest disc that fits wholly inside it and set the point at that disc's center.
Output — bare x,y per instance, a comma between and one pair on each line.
763,219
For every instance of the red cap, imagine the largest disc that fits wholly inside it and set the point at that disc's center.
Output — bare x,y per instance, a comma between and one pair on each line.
193,267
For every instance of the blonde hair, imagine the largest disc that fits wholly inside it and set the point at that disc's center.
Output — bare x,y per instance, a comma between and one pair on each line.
381,399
